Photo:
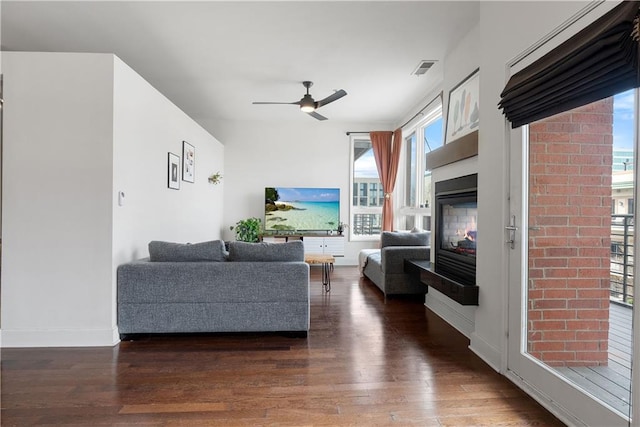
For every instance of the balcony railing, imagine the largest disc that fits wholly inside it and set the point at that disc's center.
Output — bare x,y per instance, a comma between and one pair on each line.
622,259
367,224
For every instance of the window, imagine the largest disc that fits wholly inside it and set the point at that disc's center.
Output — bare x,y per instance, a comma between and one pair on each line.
362,194
368,194
433,138
411,162
413,184
420,139
373,194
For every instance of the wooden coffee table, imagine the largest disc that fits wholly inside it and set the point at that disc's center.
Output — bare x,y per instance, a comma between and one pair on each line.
327,264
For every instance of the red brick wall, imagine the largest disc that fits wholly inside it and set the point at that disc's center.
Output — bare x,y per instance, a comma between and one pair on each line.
570,164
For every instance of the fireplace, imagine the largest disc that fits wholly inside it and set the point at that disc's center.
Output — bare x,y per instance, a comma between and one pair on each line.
456,234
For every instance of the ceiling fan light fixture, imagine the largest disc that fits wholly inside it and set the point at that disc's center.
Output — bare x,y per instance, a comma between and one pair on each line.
307,104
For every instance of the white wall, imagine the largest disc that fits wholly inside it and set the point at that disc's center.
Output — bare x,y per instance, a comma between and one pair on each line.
303,153
57,175
79,128
459,64
147,126
506,30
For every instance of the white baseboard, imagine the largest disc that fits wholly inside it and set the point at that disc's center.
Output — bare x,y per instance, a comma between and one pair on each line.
346,262
544,400
59,338
491,355
460,317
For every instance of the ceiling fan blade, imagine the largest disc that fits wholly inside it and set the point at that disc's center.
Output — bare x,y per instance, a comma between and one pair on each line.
333,97
317,116
285,103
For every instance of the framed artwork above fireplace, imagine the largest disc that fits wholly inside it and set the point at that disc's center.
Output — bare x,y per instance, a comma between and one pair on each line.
463,114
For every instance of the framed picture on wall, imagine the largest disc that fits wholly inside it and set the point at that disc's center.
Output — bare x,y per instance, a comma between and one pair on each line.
173,172
188,162
463,114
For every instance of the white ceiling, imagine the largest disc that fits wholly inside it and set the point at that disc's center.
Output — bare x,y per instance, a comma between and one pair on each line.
214,58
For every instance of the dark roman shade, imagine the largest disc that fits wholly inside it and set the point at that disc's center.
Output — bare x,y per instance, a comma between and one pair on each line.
598,62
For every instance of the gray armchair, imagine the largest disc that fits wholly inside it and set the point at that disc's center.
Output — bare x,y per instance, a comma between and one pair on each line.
385,268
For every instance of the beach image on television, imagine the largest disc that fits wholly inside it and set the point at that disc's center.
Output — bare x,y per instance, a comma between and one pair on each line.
301,209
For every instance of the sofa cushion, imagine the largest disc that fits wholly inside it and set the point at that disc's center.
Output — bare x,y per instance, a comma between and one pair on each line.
263,251
393,238
374,259
186,252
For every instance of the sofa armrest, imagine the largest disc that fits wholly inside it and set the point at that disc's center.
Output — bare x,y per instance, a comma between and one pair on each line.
392,257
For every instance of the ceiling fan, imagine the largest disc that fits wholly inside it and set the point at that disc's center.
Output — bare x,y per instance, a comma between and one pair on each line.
308,104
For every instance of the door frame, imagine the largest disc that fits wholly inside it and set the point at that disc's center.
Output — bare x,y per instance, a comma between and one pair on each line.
550,389
555,392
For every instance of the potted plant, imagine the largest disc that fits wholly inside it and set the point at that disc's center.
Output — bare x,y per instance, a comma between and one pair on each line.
215,178
247,230
341,227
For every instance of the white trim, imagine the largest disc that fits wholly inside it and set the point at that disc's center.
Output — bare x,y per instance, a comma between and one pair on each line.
489,354
635,327
416,128
506,278
562,33
451,312
59,338
544,400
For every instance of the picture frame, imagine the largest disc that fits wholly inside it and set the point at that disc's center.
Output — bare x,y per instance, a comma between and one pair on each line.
188,162
173,171
463,113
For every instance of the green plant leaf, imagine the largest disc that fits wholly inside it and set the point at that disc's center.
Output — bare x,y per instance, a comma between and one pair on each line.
248,230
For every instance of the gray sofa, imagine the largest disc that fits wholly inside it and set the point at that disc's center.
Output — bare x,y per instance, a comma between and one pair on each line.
255,287
385,267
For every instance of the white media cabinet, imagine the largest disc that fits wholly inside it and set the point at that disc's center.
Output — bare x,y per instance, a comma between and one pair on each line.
322,244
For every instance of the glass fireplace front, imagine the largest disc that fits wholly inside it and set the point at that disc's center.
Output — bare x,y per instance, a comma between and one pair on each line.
456,225
459,232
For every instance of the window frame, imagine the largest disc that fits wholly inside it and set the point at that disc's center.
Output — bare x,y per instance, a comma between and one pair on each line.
420,210
358,209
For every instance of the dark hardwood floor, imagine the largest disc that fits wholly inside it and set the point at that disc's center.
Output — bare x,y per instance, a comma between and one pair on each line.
366,362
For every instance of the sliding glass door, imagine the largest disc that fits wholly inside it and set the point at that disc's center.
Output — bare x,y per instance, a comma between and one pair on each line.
572,281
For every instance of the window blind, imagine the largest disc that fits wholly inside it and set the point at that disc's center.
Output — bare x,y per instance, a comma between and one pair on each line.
598,62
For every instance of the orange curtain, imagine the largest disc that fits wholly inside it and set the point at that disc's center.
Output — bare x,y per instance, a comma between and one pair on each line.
386,149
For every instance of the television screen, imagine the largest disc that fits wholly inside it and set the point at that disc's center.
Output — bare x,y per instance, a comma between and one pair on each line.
301,209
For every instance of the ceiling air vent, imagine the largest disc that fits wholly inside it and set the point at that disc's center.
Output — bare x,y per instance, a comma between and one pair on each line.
423,67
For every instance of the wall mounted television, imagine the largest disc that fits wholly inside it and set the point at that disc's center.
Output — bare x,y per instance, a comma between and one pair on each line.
297,209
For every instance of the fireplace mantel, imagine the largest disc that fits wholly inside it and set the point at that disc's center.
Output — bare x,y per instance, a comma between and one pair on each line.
462,294
460,149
